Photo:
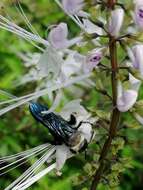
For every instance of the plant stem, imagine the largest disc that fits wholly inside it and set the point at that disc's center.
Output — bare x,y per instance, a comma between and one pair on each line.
111,3
115,114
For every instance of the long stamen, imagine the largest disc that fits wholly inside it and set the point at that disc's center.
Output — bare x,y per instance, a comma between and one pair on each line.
27,173
26,37
12,27
44,92
40,162
71,16
21,161
24,153
23,15
35,178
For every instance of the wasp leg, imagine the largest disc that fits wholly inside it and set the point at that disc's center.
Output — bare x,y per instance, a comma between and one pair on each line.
72,120
80,123
85,154
54,142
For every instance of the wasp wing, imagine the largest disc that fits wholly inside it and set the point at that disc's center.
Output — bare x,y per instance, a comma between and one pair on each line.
60,129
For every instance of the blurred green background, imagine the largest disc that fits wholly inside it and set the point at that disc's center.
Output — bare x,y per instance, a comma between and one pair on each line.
18,130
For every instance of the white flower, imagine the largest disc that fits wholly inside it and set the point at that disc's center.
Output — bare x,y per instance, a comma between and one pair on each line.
71,66
136,56
91,28
125,98
70,7
116,21
58,37
30,59
74,107
74,7
93,58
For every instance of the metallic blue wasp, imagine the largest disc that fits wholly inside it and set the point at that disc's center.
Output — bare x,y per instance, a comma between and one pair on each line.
62,131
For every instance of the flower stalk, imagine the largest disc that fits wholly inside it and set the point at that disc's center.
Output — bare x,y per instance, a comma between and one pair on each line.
115,115
111,3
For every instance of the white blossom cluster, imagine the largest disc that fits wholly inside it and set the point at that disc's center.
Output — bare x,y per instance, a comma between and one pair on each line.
57,65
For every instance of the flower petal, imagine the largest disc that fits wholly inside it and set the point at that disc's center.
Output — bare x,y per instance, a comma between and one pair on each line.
74,107
58,36
93,59
62,154
87,131
126,98
91,28
135,83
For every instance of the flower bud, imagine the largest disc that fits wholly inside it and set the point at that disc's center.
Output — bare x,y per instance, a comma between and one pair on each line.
116,21
58,36
125,98
138,13
136,56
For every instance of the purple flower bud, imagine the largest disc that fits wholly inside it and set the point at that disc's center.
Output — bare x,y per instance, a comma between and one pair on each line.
138,14
115,22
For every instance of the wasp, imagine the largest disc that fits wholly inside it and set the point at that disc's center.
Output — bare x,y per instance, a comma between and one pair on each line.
61,130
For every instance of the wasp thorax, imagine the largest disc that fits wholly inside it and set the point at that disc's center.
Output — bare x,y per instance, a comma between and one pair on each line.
77,142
